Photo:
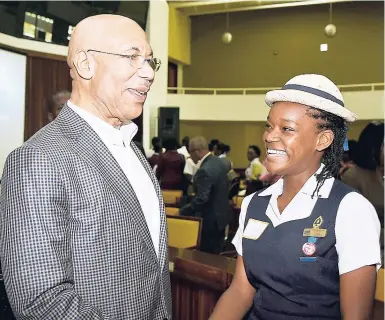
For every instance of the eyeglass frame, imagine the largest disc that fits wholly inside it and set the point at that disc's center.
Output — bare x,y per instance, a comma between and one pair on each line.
157,61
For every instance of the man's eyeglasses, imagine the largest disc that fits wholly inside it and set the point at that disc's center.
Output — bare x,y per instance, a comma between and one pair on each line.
136,61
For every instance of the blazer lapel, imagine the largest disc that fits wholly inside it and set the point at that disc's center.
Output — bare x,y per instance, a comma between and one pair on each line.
92,150
163,238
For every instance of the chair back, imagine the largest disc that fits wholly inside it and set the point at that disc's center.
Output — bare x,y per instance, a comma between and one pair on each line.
238,202
184,232
172,211
172,197
380,285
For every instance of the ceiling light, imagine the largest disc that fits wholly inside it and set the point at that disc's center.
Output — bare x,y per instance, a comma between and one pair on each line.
324,47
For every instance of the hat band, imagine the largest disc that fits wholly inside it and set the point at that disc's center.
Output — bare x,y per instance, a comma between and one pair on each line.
314,91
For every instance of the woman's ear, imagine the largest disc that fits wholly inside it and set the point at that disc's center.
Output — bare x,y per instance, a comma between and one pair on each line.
325,139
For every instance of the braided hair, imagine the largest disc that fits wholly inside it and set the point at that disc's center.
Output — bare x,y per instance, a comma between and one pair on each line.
333,154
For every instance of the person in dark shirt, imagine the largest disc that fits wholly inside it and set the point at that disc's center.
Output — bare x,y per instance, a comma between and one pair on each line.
157,147
170,166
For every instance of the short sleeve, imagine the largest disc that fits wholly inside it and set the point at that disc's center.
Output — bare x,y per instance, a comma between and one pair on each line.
237,240
357,234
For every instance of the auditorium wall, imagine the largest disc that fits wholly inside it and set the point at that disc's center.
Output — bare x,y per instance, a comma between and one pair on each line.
179,34
270,46
240,134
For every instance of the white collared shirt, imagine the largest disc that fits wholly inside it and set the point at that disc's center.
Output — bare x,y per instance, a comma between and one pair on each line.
190,167
118,143
357,227
249,170
183,150
203,159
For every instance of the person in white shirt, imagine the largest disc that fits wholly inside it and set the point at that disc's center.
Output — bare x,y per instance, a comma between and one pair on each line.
190,167
308,245
256,168
184,148
83,224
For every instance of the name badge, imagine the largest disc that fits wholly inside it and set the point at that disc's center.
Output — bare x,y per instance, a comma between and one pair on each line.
314,232
254,229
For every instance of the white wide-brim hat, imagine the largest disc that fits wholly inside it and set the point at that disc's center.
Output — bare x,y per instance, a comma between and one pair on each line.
315,91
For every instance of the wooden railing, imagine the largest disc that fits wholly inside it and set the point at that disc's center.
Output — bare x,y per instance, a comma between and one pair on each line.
246,91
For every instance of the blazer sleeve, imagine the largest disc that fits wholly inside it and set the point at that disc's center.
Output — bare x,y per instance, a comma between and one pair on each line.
203,184
35,249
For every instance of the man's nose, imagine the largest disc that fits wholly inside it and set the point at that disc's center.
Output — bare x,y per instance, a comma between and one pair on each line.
146,71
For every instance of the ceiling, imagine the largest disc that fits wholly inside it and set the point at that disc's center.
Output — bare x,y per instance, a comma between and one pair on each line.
195,8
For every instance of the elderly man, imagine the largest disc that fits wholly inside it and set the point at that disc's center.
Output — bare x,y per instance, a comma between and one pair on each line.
211,196
83,228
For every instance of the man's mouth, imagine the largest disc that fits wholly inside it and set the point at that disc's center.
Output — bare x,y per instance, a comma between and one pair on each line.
139,92
276,152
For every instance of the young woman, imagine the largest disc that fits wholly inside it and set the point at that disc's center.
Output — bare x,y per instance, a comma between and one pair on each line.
308,246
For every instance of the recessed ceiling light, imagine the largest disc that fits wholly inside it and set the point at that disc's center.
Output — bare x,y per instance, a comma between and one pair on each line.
324,47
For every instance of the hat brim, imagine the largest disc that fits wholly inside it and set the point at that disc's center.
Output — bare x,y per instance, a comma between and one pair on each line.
311,100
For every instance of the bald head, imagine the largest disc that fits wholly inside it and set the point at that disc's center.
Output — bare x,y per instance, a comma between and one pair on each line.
198,148
199,143
111,67
101,32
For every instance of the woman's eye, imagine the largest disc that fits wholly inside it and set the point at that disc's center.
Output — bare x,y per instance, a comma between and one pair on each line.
288,129
267,126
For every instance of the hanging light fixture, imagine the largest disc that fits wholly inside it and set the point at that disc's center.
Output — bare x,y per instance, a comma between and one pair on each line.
227,37
330,29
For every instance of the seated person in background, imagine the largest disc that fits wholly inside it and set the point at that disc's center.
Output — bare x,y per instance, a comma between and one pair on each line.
308,246
56,103
366,176
170,166
210,201
254,171
157,148
347,158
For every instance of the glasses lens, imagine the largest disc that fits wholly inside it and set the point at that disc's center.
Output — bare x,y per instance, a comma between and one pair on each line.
154,63
138,61
157,64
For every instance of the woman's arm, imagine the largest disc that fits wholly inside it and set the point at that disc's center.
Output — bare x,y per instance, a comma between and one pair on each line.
357,231
238,298
357,290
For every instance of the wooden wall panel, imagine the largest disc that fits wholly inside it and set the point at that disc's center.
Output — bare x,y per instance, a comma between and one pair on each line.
46,76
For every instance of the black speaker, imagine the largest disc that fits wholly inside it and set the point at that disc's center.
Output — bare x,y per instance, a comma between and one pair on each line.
168,123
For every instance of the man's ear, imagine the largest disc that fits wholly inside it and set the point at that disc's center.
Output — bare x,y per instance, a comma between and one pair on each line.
325,139
84,64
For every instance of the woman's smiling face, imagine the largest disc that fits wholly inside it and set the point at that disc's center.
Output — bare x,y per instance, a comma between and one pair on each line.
293,142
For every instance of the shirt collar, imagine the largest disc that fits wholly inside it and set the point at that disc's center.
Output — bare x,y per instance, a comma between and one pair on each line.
110,135
308,188
203,159
255,160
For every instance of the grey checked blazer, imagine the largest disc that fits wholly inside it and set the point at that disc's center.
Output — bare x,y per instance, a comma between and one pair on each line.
74,240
